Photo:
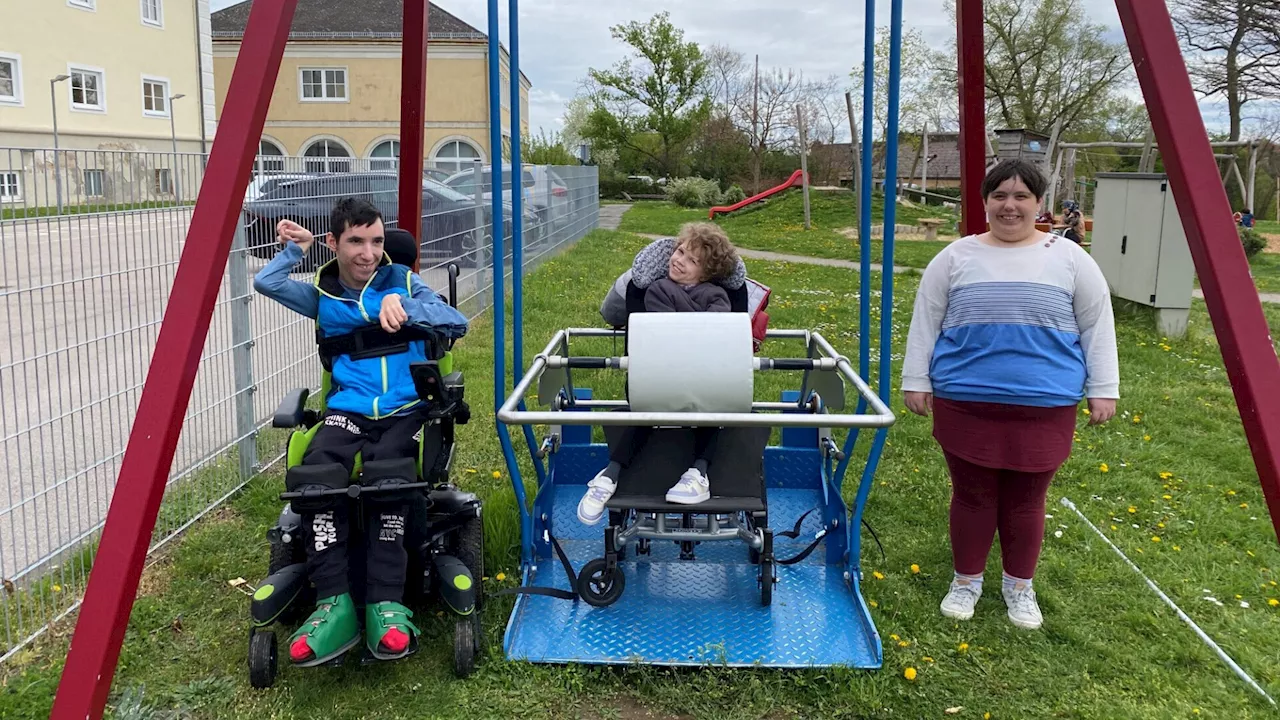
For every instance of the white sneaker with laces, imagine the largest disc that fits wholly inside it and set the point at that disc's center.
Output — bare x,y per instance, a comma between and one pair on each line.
599,490
693,488
1024,612
960,600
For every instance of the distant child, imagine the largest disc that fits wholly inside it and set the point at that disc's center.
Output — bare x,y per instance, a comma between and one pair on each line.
702,259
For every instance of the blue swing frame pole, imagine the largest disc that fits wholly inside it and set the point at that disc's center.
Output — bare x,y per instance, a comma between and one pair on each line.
864,225
517,228
499,283
885,370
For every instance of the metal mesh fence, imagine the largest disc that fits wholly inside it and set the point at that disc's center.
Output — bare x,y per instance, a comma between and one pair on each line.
89,247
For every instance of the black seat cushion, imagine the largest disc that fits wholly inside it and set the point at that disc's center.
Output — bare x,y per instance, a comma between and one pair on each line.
736,471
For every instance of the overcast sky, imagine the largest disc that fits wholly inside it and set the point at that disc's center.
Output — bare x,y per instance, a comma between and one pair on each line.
561,39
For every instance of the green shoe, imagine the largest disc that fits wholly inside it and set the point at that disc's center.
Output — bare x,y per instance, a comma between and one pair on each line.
331,630
388,634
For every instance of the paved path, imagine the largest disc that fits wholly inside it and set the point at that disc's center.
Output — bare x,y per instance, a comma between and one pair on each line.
1264,297
783,257
611,216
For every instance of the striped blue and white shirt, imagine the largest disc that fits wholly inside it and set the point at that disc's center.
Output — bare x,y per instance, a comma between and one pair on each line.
1028,325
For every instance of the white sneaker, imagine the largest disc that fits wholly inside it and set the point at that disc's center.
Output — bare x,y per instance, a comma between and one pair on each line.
960,600
693,488
1023,609
591,507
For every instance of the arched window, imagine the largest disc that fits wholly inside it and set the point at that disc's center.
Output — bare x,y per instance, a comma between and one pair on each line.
455,155
385,155
327,156
270,157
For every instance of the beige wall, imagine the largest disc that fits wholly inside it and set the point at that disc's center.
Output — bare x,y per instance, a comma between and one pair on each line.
457,95
52,34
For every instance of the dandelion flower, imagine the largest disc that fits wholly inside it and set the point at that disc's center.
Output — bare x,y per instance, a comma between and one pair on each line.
1178,548
1146,438
915,569
904,643
894,636
1167,497
1137,419
909,673
873,603
963,647
1086,411
1166,475
1273,602
1103,467
496,474
877,575
1244,506
1133,509
501,576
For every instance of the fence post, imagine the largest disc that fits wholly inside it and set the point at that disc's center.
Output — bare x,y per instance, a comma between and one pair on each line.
479,233
242,352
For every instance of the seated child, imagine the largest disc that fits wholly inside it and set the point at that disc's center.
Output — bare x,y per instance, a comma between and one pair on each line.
703,256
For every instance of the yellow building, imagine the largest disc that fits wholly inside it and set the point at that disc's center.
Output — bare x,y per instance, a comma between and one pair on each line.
117,69
337,95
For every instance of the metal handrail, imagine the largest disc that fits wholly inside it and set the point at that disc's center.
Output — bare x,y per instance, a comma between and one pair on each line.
881,415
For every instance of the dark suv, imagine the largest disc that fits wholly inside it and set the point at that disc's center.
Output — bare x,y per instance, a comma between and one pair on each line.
449,218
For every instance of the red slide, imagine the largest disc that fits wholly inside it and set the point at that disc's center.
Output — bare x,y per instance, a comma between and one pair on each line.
796,180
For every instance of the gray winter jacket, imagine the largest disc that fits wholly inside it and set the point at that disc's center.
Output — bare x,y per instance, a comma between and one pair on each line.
667,295
650,265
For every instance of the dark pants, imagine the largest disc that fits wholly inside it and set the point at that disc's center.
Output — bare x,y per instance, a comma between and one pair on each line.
633,439
339,438
985,499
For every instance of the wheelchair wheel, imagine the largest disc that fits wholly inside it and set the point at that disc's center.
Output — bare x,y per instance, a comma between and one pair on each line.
464,647
598,586
766,581
470,550
262,659
284,554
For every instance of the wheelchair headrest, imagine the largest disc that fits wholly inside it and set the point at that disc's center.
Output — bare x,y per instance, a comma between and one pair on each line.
738,299
401,246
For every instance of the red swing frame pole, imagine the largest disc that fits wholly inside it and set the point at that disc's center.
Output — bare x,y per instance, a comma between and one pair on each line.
413,108
1223,269
126,535
973,108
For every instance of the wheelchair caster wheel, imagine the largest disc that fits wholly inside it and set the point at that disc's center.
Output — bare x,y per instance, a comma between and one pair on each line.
262,659
767,579
599,586
466,646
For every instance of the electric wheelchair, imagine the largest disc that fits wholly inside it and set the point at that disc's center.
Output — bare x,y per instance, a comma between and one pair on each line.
444,538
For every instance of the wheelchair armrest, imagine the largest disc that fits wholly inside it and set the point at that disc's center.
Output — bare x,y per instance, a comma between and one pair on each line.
292,410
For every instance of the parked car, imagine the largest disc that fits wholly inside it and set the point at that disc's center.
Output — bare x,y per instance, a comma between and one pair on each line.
545,192
260,185
448,225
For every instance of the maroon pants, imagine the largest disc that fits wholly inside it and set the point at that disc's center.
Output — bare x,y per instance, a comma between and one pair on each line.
1002,459
983,500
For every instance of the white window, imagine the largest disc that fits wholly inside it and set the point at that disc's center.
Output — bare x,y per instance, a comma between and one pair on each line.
384,155
155,97
327,156
270,157
88,89
152,12
93,183
456,155
504,93
10,79
84,4
10,187
323,84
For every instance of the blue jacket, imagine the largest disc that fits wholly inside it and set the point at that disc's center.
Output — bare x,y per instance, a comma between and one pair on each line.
376,387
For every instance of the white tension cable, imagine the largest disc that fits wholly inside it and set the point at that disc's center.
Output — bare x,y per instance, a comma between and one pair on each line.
690,362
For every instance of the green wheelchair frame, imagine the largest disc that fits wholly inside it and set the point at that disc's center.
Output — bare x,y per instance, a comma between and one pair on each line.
444,535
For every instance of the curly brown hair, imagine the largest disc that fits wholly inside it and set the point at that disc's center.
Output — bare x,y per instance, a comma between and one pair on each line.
709,243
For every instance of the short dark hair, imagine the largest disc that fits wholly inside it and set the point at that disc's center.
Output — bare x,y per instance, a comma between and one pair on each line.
1005,170
351,212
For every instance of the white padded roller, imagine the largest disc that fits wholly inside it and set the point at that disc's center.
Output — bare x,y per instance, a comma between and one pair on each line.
690,362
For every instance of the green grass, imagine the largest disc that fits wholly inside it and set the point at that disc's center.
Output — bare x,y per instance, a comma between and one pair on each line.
51,211
777,224
1271,227
1109,648
1265,267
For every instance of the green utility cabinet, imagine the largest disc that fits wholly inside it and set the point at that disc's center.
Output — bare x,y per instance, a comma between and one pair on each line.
1139,244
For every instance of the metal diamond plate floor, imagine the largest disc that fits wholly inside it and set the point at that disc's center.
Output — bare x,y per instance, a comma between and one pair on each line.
705,611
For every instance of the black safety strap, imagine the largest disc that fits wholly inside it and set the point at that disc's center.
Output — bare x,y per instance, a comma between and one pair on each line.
550,592
373,341
795,533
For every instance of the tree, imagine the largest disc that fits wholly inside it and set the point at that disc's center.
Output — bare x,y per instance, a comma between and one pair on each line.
926,89
660,91
770,122
1232,49
543,149
1046,61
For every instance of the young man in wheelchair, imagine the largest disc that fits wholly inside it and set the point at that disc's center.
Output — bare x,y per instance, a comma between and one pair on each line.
373,410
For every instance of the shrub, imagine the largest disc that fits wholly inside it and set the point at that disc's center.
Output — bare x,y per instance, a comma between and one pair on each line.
733,194
612,187
1253,242
693,192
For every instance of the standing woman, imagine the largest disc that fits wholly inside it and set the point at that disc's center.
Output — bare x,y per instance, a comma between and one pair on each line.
1011,330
